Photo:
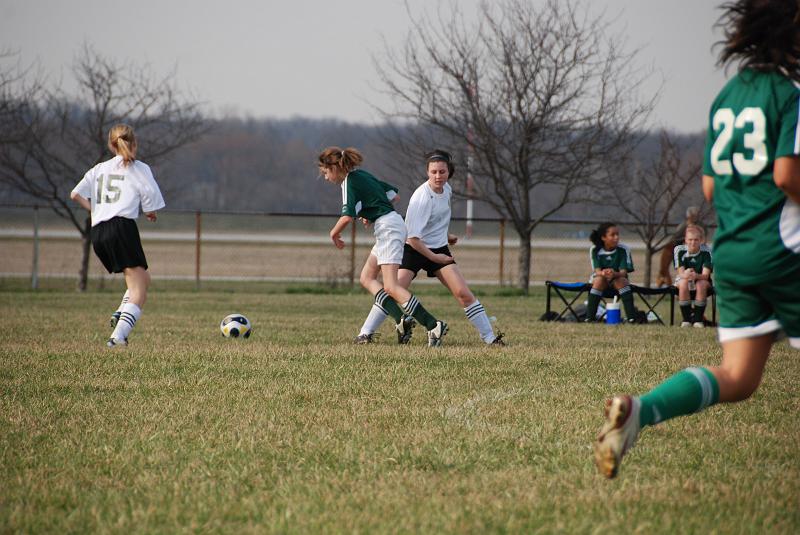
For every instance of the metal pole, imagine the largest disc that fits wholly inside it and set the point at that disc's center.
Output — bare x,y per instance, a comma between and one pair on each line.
198,220
353,253
502,248
35,268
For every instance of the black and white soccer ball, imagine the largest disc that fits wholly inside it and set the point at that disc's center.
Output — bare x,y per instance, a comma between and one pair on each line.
235,326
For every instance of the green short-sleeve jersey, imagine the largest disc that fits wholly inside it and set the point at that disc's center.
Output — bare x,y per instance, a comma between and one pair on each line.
696,261
617,259
365,196
753,121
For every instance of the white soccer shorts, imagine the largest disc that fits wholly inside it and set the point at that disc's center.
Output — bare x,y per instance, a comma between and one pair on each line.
390,236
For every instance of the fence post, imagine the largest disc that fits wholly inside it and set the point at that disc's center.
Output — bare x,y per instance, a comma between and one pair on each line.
502,248
353,253
35,267
198,220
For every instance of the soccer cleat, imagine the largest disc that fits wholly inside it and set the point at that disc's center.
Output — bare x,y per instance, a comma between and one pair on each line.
698,325
367,338
404,329
498,340
112,322
436,334
113,342
618,434
686,324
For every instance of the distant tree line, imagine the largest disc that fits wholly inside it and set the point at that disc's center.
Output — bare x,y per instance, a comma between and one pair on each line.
539,106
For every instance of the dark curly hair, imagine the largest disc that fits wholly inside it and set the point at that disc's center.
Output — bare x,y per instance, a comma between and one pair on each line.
763,35
597,234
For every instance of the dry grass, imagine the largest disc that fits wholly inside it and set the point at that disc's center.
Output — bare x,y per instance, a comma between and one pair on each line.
296,430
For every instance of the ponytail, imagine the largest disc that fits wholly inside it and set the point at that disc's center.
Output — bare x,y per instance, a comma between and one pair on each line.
344,159
122,142
596,237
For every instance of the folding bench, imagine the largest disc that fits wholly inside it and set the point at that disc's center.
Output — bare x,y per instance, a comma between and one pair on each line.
650,297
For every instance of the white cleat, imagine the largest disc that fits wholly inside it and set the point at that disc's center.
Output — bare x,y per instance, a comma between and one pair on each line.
686,324
698,325
618,434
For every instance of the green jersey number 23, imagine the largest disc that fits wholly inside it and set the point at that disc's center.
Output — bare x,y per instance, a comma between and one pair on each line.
751,119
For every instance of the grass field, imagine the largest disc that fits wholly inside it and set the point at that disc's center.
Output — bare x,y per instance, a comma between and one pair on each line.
296,430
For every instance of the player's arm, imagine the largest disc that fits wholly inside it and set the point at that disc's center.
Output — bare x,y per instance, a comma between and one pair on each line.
421,248
336,231
705,275
786,175
78,198
452,239
708,187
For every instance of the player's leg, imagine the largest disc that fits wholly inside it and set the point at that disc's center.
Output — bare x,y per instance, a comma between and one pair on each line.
623,287
405,328
599,285
684,302
138,280
747,331
699,303
115,316
411,305
450,276
377,313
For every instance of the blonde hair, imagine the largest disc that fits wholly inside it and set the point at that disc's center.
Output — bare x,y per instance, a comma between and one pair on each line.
697,230
344,159
122,142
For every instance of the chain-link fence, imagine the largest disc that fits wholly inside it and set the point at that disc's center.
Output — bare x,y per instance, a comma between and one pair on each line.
198,246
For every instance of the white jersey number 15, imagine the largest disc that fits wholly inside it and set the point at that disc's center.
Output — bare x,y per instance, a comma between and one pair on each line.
112,192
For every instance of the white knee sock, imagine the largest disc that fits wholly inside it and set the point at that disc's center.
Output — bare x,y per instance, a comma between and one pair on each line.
375,318
477,316
128,315
124,300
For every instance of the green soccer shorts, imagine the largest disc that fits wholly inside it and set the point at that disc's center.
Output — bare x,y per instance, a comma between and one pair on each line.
748,311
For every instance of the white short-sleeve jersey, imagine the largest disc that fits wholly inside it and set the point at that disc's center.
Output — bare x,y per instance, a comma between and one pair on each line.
428,215
118,190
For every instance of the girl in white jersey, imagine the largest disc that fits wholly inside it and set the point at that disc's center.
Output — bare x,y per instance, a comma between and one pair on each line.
113,191
427,223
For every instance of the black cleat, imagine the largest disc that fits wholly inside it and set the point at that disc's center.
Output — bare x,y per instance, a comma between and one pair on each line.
404,329
362,339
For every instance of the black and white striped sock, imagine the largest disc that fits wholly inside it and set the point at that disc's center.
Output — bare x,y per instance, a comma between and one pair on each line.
127,319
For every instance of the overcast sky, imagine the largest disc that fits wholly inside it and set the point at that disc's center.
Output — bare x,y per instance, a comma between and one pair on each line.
285,58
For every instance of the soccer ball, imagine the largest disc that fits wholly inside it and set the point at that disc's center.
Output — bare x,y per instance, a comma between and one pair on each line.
234,326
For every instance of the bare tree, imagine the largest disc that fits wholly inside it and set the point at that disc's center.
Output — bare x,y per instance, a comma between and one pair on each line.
541,97
654,193
58,136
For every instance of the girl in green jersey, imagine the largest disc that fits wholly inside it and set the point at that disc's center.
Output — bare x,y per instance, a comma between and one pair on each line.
751,172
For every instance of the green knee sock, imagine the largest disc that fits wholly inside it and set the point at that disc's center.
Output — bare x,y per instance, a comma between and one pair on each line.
385,301
686,310
591,304
688,391
699,310
414,308
627,302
